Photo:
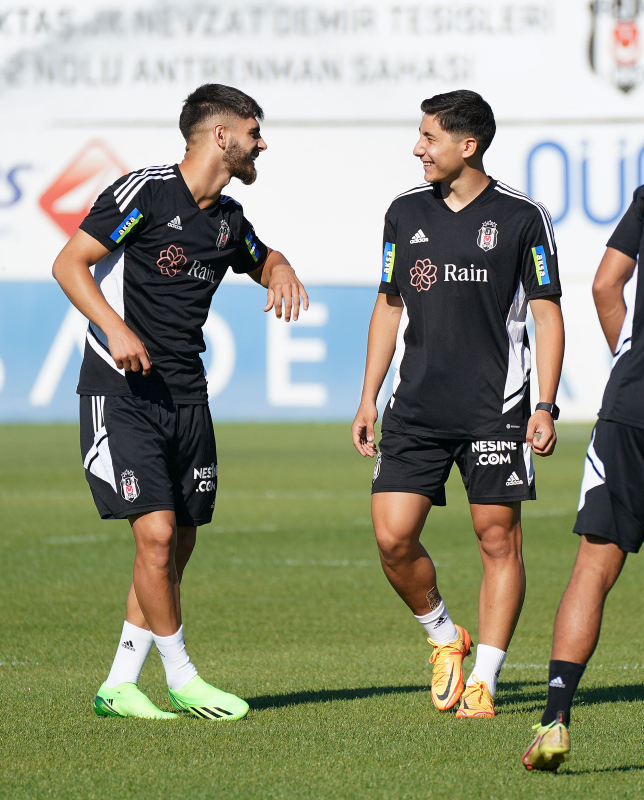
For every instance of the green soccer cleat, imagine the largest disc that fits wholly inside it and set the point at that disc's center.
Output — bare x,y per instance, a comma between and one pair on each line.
127,700
203,700
550,747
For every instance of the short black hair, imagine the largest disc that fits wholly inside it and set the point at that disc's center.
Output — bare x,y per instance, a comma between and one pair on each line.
463,113
214,99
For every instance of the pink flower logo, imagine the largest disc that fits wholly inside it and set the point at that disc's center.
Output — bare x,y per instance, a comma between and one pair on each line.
423,274
171,260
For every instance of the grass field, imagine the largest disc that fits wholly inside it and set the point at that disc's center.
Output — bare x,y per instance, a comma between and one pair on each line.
285,604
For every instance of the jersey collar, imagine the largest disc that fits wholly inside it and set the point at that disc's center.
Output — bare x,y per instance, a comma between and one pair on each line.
473,204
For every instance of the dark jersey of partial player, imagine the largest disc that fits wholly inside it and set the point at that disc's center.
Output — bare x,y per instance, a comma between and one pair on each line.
465,279
167,259
624,394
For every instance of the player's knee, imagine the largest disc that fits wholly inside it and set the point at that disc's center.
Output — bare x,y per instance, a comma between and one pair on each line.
158,544
394,548
498,542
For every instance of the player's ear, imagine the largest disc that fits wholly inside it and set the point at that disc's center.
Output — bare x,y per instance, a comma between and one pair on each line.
470,146
219,135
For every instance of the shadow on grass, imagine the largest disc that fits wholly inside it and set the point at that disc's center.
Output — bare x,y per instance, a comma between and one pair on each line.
521,697
327,695
623,768
523,691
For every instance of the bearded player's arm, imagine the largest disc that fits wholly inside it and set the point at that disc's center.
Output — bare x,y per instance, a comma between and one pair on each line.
72,271
278,276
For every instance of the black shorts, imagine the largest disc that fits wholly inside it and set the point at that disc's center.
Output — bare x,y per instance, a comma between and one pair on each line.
612,498
493,471
141,456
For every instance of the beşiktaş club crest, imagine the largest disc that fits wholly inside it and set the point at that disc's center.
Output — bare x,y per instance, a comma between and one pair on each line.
129,486
488,235
615,49
224,234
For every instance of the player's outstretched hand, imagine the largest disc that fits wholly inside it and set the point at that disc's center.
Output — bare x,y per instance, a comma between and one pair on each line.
362,430
284,285
541,434
128,351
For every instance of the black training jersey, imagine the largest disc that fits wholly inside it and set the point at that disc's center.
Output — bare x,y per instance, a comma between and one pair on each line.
168,256
465,279
624,395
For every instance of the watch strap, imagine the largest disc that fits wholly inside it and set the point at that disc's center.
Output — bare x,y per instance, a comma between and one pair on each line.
551,408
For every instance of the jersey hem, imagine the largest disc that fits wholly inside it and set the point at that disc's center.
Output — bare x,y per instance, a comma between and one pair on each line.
407,490
138,510
430,433
556,292
104,240
388,289
182,401
631,423
482,501
611,537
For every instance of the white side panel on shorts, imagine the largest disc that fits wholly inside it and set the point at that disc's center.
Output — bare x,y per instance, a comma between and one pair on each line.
516,382
529,466
99,459
594,473
624,341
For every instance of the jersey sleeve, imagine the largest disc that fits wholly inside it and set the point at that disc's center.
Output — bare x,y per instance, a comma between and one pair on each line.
540,269
251,252
628,233
388,284
112,225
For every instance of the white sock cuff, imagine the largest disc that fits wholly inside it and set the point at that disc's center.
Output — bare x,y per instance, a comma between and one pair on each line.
174,638
487,651
141,633
432,615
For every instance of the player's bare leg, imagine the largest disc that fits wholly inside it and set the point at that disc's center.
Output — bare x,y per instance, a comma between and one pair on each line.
398,520
499,537
498,532
186,539
579,616
156,580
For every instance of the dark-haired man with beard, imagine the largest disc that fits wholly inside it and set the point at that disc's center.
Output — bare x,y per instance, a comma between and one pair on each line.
162,239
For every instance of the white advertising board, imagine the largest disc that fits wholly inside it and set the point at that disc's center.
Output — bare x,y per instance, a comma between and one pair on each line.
91,89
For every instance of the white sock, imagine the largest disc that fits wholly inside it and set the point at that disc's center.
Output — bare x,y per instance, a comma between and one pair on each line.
130,655
438,625
489,661
179,669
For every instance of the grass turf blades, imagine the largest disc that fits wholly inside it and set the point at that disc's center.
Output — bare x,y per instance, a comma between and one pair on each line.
285,605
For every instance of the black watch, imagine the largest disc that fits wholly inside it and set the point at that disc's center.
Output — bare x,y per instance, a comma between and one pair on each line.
551,408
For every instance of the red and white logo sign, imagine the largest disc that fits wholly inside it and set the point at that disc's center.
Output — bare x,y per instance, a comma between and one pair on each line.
70,197
488,235
129,486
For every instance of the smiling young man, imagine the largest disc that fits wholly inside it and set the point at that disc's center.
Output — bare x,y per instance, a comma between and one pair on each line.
162,239
463,257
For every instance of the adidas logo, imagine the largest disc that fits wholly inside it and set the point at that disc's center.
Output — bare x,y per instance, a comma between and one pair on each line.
514,480
418,237
557,683
128,646
175,223
439,622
